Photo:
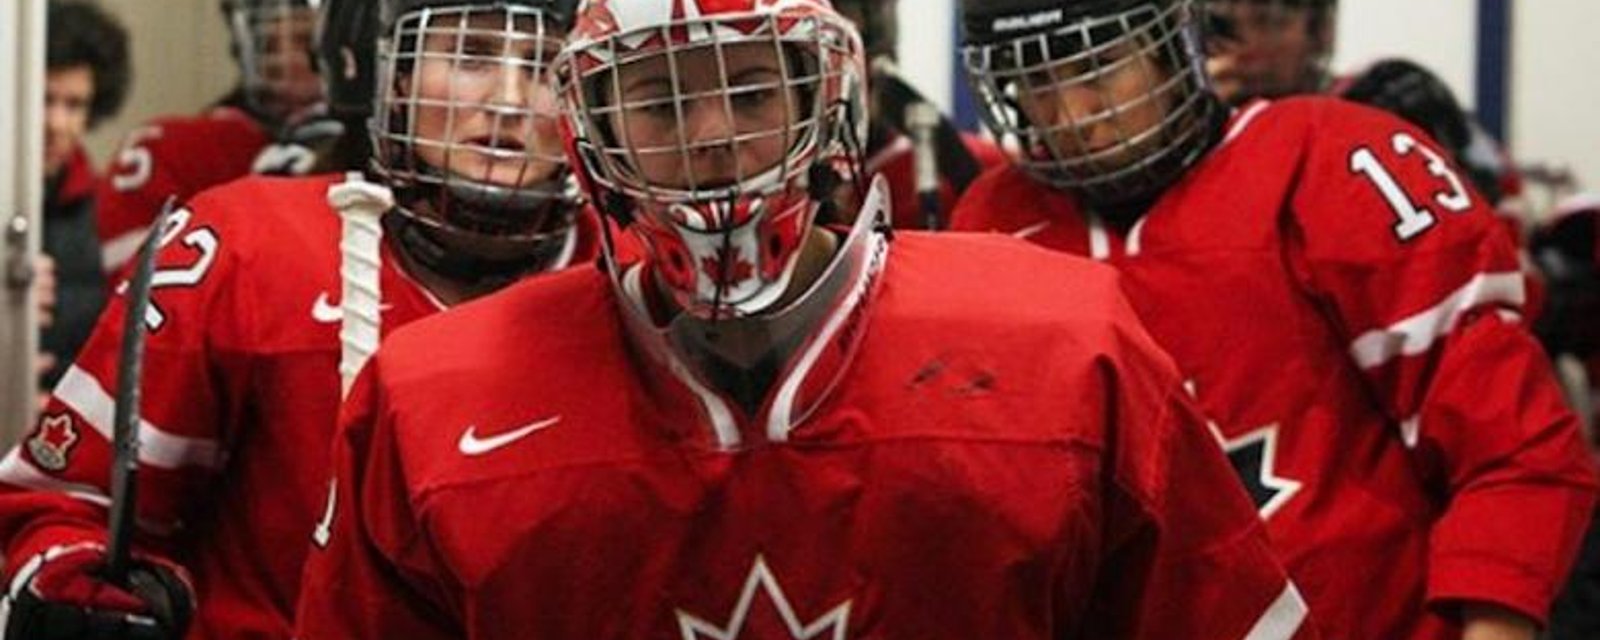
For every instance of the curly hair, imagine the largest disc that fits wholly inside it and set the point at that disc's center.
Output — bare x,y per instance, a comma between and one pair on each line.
83,34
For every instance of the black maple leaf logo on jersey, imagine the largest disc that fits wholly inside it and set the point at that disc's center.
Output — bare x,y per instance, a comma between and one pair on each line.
1254,458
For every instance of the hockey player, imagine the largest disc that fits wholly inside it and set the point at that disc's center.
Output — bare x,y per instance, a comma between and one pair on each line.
1270,49
898,125
1337,295
241,390
1567,248
267,125
805,432
86,80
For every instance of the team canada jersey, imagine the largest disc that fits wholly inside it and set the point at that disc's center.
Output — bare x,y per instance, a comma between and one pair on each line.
946,458
170,157
240,400
1346,312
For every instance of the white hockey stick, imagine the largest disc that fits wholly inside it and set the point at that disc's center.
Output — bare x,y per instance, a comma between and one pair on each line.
361,205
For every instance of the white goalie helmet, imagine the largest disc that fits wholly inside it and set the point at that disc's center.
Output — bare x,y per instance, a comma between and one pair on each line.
718,128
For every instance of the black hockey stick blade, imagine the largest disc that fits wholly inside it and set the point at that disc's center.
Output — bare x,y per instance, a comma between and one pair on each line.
125,427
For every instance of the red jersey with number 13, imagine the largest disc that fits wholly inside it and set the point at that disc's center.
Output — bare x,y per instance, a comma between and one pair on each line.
1346,309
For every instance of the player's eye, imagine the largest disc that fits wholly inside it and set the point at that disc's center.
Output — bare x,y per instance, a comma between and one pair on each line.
661,107
753,98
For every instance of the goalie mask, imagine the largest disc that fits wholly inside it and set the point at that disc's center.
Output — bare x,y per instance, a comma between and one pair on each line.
719,128
465,130
272,43
1106,98
1269,48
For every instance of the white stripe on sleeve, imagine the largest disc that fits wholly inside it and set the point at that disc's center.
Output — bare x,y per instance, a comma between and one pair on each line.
16,471
1418,333
157,447
1282,618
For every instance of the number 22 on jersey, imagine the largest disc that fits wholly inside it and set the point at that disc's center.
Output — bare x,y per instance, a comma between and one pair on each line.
1414,218
204,243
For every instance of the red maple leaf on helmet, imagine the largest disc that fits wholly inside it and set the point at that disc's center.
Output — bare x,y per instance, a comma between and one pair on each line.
596,22
727,267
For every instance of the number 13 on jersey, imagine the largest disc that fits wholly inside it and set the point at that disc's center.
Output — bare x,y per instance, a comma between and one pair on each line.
1414,218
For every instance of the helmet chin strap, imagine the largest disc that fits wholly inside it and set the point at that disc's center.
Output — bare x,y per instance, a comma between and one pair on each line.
725,263
465,216
822,181
1172,167
431,245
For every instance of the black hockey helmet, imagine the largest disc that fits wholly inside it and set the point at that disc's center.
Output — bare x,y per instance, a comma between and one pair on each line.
464,122
347,34
1414,93
271,41
1019,53
1567,249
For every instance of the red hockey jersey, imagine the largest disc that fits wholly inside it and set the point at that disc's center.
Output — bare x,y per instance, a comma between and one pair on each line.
170,157
1346,309
954,455
240,400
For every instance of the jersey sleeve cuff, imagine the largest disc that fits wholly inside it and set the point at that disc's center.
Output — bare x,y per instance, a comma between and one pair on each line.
36,540
1473,578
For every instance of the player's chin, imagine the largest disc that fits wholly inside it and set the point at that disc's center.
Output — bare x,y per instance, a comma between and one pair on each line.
55,157
1105,159
511,174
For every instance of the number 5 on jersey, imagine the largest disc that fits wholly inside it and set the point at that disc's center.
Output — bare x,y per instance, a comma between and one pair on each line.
1413,218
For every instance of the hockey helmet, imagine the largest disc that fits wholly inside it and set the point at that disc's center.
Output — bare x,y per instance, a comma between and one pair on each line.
719,127
1106,98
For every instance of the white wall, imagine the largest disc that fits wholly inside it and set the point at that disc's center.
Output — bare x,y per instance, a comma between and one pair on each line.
1556,85
1439,34
180,64
927,39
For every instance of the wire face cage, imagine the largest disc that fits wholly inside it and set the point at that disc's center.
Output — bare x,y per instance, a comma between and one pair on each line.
715,126
1112,106
467,114
273,40
722,103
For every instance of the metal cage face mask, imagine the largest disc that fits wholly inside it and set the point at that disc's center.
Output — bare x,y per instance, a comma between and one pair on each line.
466,120
710,127
1269,48
273,42
1114,107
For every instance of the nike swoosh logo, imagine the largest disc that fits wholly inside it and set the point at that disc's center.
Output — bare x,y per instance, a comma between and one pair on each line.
471,445
326,312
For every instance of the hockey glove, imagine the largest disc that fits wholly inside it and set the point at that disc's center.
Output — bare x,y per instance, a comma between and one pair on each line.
60,594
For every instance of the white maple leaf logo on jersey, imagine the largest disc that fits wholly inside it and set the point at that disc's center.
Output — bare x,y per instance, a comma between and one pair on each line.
831,626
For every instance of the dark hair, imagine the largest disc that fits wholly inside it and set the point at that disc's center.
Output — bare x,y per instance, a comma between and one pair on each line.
83,34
